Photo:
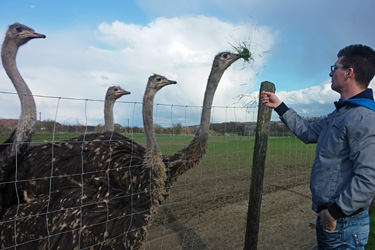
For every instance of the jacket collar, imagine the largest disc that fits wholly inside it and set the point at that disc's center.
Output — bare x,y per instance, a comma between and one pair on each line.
367,94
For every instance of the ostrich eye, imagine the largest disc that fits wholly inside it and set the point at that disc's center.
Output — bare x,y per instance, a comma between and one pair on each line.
19,29
225,55
116,89
158,79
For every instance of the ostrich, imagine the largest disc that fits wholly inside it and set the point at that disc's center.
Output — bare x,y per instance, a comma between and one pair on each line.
37,162
113,93
16,36
111,209
190,156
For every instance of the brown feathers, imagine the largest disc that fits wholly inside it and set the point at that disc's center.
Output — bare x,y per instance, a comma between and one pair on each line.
101,188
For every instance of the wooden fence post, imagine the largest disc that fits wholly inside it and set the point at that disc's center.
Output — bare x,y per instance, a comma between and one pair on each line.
257,175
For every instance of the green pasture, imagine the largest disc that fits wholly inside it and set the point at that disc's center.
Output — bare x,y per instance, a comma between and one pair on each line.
229,155
225,153
222,150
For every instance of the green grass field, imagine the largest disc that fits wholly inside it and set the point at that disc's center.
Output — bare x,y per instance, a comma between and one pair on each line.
283,152
278,147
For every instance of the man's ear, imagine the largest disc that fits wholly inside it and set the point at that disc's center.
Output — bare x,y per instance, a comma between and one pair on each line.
349,72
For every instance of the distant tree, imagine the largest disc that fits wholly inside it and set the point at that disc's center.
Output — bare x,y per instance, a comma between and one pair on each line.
47,126
241,130
99,128
127,130
212,132
158,129
177,128
188,131
118,127
137,130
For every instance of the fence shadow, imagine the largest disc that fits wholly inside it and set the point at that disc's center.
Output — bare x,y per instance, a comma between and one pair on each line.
187,237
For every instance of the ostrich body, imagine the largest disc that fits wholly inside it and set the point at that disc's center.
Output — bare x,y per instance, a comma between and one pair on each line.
16,36
65,174
190,156
37,162
123,184
113,93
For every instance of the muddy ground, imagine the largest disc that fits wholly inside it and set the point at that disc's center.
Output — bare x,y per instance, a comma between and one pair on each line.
209,212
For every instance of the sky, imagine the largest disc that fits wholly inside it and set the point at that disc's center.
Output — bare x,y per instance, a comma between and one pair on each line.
91,45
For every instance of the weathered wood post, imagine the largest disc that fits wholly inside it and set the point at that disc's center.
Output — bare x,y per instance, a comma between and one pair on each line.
257,175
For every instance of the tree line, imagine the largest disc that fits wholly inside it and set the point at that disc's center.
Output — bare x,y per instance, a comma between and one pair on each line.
277,128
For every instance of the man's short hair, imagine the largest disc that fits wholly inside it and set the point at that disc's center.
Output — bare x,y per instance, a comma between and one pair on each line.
362,59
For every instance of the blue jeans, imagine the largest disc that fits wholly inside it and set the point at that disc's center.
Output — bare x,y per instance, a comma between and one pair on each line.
350,233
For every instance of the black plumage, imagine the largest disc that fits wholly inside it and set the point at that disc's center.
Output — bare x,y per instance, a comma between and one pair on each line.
89,161
61,161
103,199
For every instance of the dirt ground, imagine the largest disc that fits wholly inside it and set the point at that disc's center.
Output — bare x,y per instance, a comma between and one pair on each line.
211,214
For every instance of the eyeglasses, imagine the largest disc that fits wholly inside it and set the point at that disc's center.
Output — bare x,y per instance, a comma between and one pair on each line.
333,67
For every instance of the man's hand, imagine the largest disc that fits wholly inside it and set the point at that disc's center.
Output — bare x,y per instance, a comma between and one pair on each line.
270,99
328,222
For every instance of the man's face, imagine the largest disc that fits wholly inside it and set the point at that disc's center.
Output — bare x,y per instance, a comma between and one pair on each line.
338,76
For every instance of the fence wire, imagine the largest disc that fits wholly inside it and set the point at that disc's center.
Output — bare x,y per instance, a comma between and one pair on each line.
206,208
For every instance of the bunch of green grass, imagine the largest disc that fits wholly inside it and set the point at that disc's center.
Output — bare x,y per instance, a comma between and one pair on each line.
243,50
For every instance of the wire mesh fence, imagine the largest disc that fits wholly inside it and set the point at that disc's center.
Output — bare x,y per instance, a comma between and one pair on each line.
206,208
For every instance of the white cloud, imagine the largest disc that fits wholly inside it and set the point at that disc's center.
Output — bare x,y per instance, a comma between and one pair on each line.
321,94
314,101
83,63
183,48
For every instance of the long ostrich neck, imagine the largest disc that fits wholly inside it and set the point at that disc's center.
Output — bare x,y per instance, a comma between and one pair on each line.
28,108
108,115
153,157
148,121
212,83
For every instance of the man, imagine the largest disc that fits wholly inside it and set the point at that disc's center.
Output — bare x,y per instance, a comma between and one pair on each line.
342,178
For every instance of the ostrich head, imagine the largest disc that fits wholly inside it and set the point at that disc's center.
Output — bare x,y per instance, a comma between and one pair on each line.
156,82
224,59
115,92
221,62
21,34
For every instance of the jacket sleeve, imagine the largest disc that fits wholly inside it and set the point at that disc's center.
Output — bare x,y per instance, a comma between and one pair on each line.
306,131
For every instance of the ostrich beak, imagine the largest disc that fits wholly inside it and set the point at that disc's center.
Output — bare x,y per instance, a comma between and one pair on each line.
168,82
236,57
125,92
37,35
